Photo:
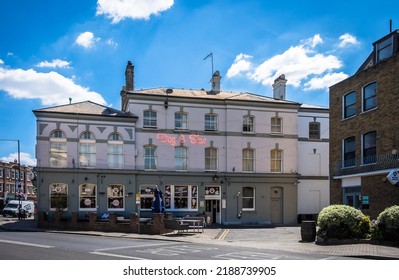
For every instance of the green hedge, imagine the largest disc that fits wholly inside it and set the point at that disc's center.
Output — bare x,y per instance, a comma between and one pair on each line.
342,222
387,224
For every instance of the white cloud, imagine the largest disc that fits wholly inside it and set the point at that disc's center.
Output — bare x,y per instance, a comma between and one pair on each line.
325,81
86,40
299,64
54,64
347,39
112,43
50,88
241,64
1,62
118,10
26,159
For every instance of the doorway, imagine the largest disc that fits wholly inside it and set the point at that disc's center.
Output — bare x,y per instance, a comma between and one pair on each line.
212,210
276,204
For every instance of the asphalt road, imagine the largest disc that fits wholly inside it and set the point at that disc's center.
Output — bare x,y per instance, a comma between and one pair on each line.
59,246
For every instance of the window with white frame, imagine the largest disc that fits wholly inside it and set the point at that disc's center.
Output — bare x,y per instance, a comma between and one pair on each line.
314,130
88,197
147,196
181,121
211,122
87,150
349,152
58,149
8,187
150,157
1,172
370,96
181,197
115,151
150,119
116,197
248,160
248,123
8,173
211,159
349,106
58,196
276,161
369,147
181,158
277,125
248,199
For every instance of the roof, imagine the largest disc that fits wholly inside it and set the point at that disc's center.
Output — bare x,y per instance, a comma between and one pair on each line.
86,108
201,93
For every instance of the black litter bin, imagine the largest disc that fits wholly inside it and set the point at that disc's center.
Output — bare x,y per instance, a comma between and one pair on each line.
308,231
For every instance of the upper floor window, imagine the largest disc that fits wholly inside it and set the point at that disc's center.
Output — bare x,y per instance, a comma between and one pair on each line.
150,157
115,151
211,159
248,123
1,172
314,130
58,149
181,120
211,122
276,160
349,152
181,157
277,125
150,119
349,105
370,96
87,150
248,198
369,147
384,49
248,160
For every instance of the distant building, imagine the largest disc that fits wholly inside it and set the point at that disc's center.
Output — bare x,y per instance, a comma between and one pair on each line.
16,180
365,131
239,158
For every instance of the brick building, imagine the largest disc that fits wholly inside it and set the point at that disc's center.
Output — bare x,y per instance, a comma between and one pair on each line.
364,134
11,175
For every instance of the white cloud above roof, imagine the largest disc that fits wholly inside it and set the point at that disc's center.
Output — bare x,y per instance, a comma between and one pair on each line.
118,10
50,88
302,65
86,40
25,158
55,63
347,39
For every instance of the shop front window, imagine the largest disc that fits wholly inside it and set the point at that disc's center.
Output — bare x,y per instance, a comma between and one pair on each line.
181,197
58,196
88,197
116,197
147,196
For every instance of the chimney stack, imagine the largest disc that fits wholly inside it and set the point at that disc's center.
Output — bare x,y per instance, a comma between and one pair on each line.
129,76
215,82
279,87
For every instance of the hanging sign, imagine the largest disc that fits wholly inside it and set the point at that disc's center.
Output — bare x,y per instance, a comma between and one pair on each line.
137,199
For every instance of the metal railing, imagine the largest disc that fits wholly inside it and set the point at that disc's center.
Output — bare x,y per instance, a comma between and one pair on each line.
364,165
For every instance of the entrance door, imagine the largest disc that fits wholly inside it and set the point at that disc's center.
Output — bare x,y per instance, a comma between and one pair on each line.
276,204
212,210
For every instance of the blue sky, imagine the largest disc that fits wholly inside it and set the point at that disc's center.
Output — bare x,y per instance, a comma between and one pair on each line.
51,51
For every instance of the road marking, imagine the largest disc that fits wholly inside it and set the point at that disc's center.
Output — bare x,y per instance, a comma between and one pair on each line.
245,256
133,246
118,256
223,235
25,243
176,250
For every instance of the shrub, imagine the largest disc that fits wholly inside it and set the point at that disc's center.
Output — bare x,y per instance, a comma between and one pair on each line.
342,222
387,224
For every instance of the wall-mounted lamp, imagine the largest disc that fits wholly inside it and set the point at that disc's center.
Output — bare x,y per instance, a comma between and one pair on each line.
215,178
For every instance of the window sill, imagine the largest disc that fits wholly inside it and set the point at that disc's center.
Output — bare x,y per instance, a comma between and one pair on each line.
369,110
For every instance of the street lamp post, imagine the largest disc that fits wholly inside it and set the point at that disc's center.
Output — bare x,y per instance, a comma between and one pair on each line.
19,189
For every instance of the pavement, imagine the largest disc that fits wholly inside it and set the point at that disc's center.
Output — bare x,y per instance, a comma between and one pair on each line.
286,239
